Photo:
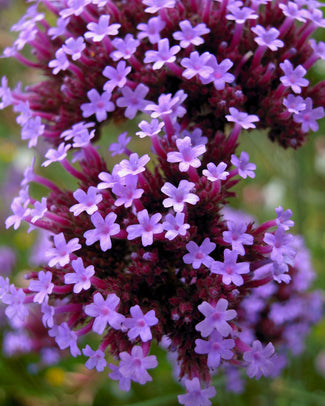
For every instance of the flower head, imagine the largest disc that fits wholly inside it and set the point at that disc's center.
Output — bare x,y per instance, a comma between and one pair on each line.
143,248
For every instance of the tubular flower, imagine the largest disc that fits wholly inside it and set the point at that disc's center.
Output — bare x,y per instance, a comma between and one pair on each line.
139,252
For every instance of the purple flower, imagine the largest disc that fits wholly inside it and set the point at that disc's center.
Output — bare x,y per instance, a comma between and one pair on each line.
139,324
196,136
25,113
196,396
156,5
187,155
133,166
75,7
259,359
244,167
190,35
294,104
279,271
127,192
81,277
219,75
47,314
197,64
241,118
268,37
230,270
65,338
315,15
292,10
163,55
147,227
133,100
98,31
32,129
216,347
40,208
109,180
16,310
20,210
74,47
28,33
240,15
104,229
60,63
99,105
216,318
56,155
175,225
308,116
87,201
166,105
134,366
117,76
283,218
60,28
104,312
124,382
198,255
151,30
149,129
280,241
82,138
214,173
96,359
77,132
318,48
28,174
15,343
4,286
60,253
125,48
237,237
178,196
120,146
43,286
293,77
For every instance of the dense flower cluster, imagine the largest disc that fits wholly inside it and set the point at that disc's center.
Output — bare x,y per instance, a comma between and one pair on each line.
147,250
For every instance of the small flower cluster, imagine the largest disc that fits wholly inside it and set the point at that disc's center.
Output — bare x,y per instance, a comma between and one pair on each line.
135,254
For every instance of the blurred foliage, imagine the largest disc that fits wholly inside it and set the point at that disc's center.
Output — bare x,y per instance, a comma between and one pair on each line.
293,179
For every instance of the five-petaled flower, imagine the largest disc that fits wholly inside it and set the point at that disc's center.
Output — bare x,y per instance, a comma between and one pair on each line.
104,312
216,318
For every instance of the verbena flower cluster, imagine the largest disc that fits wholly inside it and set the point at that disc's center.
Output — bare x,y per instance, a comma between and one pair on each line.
147,250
